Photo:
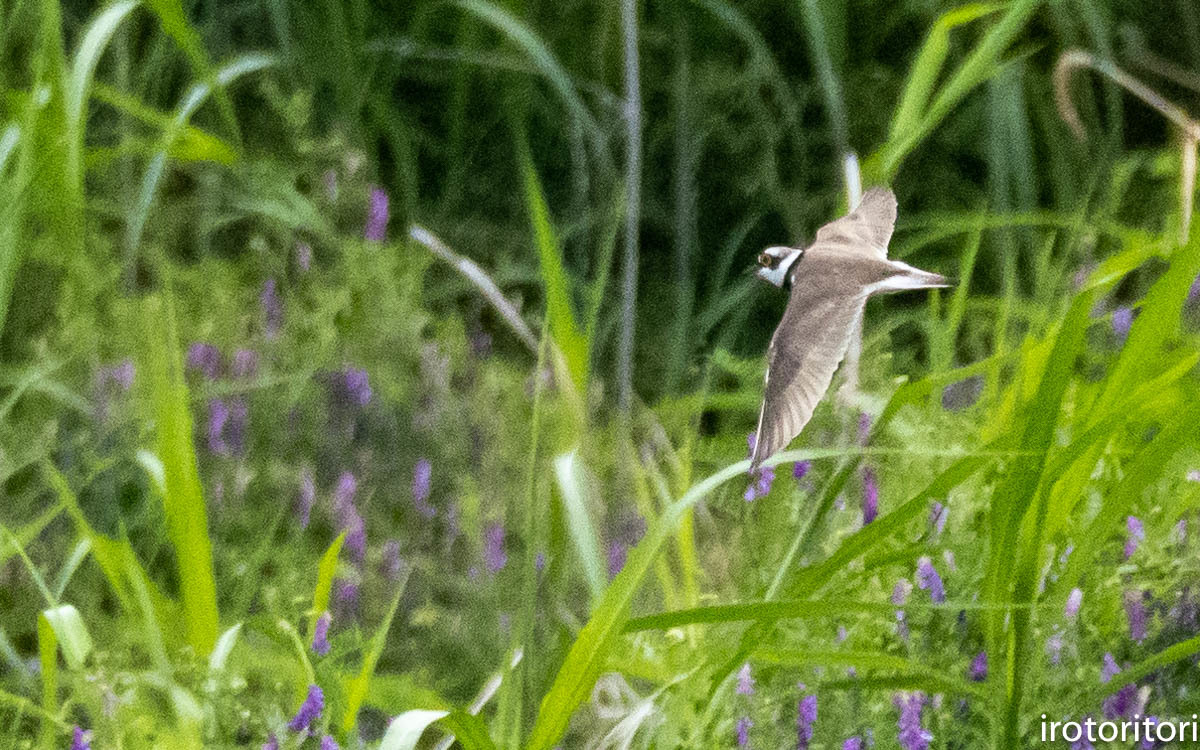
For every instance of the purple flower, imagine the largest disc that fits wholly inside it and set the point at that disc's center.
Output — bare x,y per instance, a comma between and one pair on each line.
120,374
272,308
320,639
901,591
392,564
1054,645
309,711
761,484
218,415
962,394
617,552
800,468
422,476
204,358
329,743
539,562
343,496
1137,533
239,413
937,517
806,716
1109,669
1121,703
743,731
306,497
751,442
1147,742
1074,602
864,427
1122,321
304,255
81,740
929,580
870,501
853,743
345,597
745,681
377,216
978,670
912,736
245,363
356,538
272,742
631,529
357,385
1135,612
494,556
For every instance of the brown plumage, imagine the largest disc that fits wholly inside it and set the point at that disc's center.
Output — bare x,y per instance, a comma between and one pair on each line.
830,282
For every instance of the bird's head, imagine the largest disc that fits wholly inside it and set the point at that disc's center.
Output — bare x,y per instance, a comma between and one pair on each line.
775,262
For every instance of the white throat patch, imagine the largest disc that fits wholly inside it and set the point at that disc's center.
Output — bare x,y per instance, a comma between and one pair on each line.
778,275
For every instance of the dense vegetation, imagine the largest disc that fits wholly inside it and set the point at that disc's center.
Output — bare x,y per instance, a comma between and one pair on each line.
362,361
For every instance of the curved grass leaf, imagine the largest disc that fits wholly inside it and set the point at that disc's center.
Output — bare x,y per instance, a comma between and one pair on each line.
191,101
71,633
927,66
404,731
983,62
912,673
599,636
572,488
225,644
93,44
563,325
540,55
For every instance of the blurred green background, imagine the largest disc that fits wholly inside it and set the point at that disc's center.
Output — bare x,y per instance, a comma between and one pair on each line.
427,329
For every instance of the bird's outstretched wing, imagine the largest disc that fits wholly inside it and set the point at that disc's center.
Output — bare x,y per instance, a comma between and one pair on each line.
815,332
866,229
805,351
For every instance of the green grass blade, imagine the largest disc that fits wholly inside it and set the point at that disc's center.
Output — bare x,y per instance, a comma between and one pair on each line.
572,488
404,732
183,502
563,325
983,62
48,656
915,675
173,18
927,67
196,96
93,44
71,633
599,636
326,570
540,55
356,690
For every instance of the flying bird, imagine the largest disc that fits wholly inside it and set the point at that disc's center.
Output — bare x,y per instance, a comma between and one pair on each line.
830,282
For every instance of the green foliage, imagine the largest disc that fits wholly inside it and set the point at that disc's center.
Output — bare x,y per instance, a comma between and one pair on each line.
227,409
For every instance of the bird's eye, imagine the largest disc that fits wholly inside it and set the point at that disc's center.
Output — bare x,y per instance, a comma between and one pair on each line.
766,260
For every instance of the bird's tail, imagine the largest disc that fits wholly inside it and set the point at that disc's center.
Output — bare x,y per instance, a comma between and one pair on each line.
913,278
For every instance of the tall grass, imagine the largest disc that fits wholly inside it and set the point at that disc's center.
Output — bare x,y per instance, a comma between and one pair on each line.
159,162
